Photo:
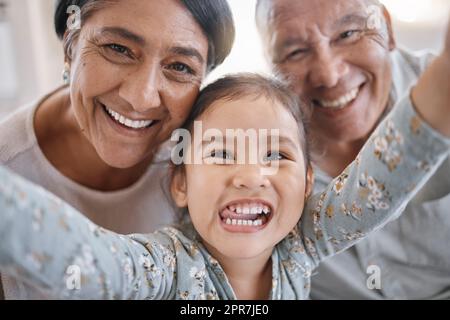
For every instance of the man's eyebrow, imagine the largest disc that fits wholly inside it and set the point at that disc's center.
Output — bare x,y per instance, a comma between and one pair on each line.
351,18
292,41
123,33
188,52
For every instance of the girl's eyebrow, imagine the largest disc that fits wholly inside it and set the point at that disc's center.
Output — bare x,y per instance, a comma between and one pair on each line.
285,141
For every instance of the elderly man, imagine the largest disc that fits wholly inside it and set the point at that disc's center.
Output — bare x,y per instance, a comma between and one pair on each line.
342,56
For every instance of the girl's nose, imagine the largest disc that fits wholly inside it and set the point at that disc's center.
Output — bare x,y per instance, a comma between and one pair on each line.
250,177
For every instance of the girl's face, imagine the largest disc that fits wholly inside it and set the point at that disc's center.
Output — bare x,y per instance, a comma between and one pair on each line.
136,69
238,210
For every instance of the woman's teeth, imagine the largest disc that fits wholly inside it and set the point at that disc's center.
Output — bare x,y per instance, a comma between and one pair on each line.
140,124
340,102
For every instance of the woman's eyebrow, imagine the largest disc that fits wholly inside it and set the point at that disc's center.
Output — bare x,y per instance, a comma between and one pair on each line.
123,33
190,52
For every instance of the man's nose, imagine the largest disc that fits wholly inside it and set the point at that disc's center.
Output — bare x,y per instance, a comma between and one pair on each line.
326,69
142,88
250,177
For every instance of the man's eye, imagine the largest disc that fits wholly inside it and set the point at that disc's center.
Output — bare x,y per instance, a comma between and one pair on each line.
296,53
348,34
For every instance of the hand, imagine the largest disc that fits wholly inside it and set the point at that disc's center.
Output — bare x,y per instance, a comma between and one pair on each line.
431,96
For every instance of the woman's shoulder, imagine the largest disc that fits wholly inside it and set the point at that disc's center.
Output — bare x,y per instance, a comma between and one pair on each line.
17,133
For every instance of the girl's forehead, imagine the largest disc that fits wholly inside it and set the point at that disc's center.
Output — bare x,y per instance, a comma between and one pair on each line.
260,116
248,112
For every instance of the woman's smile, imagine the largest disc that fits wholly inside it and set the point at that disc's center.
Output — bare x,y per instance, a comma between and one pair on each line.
125,126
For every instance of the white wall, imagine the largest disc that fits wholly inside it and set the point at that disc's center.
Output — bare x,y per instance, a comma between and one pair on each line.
36,52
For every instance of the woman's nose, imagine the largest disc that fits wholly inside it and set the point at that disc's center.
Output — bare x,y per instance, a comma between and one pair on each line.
250,177
142,89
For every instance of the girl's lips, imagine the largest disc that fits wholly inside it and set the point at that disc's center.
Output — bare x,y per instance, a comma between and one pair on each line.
246,216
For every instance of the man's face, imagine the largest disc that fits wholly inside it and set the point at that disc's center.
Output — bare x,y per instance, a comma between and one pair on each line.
333,56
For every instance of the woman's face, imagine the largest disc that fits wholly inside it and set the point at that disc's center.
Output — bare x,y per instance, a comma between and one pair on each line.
240,210
136,70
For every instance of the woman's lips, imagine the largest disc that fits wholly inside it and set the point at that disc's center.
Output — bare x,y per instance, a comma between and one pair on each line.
126,130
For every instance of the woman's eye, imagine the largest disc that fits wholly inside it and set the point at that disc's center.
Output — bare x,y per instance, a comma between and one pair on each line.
119,49
182,68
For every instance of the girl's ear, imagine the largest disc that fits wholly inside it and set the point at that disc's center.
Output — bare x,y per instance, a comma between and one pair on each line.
309,181
178,187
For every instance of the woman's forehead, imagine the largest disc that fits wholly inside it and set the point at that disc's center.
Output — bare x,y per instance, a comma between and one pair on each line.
144,18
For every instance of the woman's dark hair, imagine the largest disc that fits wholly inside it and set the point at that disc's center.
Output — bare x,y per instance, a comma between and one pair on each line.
213,16
241,85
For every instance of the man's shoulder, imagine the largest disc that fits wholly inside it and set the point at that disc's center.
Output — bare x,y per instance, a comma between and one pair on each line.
16,133
412,63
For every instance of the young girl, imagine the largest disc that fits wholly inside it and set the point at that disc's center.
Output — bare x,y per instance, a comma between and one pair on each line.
244,238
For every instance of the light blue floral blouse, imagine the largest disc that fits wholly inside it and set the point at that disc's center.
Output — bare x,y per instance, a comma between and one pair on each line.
44,242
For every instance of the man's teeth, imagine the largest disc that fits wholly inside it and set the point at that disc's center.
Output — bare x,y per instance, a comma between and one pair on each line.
340,102
128,122
250,209
238,222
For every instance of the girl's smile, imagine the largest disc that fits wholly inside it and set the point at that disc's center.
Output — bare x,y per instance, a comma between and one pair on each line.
246,215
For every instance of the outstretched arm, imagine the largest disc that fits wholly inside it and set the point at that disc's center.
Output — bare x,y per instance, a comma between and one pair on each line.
52,247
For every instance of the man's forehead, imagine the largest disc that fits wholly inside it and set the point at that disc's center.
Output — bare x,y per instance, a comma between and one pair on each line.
269,11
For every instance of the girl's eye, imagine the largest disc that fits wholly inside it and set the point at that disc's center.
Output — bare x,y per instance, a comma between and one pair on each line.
182,68
222,154
274,156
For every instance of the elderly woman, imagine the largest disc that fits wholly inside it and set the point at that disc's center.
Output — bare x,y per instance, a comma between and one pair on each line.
134,69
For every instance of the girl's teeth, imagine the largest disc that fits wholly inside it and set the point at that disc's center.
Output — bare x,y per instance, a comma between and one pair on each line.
250,209
128,122
237,222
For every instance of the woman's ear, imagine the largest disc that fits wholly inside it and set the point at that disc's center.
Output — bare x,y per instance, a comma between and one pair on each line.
309,181
387,17
178,187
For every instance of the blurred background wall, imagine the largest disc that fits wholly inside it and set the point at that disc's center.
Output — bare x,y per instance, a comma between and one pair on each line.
31,57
